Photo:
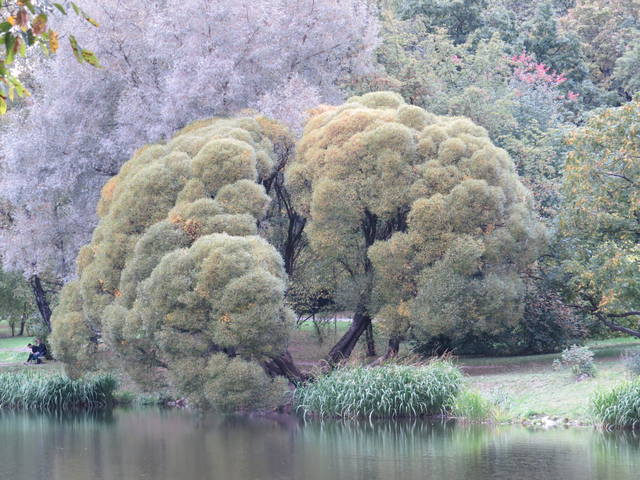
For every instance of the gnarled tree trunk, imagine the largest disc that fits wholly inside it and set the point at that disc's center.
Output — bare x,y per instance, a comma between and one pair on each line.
283,365
343,348
616,327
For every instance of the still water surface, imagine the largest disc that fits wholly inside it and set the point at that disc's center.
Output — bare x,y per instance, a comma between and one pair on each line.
176,445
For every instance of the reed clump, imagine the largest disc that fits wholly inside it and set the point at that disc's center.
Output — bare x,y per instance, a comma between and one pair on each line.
32,391
388,391
472,407
619,407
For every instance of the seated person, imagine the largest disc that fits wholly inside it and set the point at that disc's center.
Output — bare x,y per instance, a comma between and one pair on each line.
38,351
42,351
34,350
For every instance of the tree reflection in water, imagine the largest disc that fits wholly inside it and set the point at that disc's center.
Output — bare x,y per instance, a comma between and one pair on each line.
170,445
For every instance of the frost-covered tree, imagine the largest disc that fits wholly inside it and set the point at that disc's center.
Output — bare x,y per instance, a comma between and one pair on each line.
176,277
166,65
426,218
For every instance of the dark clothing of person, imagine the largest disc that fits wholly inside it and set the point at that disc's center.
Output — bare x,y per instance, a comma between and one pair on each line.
37,352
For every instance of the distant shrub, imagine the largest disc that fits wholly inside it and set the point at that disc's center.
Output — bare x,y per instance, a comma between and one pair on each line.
140,399
473,407
501,398
631,360
386,391
618,408
546,326
25,391
580,360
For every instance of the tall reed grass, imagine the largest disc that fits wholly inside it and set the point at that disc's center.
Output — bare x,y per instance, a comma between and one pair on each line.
382,392
472,407
32,391
619,407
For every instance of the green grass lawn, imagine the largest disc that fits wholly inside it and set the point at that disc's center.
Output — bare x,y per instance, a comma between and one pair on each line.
602,349
15,342
547,392
14,349
528,385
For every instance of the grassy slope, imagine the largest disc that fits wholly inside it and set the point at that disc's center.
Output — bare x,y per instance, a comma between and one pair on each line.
529,385
547,392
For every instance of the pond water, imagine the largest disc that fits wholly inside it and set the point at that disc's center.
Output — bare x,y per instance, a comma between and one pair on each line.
177,445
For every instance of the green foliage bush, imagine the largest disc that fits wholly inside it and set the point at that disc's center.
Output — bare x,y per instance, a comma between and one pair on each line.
599,257
580,360
619,407
127,398
386,391
545,327
29,391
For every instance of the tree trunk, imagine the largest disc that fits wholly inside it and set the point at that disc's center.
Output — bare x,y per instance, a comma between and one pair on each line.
362,319
41,300
284,366
318,330
393,348
343,348
292,243
23,321
371,342
12,325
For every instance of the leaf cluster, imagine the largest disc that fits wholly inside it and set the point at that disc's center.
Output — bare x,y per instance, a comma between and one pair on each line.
26,24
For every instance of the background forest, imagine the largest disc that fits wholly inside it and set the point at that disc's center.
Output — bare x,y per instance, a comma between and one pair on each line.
551,83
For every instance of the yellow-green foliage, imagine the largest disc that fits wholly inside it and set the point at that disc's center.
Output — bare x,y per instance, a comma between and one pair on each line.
175,276
454,223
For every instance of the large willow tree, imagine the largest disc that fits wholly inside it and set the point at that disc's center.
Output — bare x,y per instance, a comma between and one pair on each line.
176,281
427,220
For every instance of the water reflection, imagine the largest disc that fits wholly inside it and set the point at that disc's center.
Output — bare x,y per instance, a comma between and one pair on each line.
173,445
